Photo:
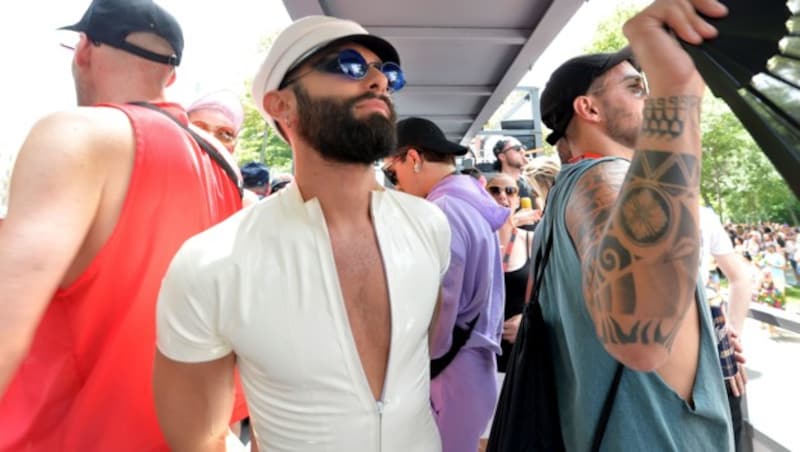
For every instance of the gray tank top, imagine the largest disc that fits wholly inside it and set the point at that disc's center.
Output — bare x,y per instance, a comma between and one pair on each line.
647,415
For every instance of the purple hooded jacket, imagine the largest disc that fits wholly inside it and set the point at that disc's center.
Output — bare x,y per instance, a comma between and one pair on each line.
473,283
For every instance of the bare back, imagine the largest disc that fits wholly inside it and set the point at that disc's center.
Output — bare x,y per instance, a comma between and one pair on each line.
362,278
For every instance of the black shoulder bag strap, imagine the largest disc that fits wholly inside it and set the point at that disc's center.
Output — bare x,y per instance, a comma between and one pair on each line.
608,404
460,337
540,262
209,149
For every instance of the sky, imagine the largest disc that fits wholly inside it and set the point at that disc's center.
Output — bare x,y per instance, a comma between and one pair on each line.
221,51
573,38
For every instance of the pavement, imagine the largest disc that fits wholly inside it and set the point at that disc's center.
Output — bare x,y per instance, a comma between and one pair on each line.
773,393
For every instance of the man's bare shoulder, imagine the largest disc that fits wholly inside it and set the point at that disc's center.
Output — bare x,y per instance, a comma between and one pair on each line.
82,131
594,195
81,148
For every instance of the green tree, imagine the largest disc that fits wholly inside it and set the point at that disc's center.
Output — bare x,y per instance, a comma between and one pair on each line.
608,36
257,141
737,178
738,181
725,149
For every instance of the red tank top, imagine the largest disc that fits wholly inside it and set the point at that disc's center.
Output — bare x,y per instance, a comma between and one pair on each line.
86,383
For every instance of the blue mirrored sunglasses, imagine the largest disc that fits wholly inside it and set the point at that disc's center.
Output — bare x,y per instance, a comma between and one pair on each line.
351,64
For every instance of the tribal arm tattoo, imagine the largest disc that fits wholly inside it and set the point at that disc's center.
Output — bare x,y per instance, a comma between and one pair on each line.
637,232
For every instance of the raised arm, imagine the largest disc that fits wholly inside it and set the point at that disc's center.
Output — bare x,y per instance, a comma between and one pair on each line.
55,193
640,249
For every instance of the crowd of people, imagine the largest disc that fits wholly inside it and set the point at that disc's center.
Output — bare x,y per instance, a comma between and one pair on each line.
772,250
154,294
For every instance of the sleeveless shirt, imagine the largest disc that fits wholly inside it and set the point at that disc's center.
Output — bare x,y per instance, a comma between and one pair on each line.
516,285
86,383
647,414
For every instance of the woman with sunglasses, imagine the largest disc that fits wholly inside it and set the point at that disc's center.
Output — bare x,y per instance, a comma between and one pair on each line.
515,245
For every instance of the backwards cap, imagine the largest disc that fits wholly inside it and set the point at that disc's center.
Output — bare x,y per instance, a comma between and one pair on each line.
111,21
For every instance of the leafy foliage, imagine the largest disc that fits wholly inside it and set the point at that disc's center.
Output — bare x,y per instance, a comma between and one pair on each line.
257,141
737,178
608,36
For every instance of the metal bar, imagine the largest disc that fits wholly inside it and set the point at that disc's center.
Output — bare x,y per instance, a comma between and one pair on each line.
458,119
773,316
452,90
557,15
484,36
760,441
509,132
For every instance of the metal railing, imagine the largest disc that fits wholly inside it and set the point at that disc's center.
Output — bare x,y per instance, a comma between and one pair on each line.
789,321
773,316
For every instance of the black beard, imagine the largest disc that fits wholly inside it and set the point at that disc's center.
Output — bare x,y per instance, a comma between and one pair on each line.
617,131
330,127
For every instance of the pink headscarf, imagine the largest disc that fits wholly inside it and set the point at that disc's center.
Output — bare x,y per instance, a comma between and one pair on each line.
224,101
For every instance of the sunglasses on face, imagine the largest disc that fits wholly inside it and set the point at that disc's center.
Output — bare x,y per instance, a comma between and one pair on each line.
352,65
390,174
636,85
71,42
494,190
512,148
224,135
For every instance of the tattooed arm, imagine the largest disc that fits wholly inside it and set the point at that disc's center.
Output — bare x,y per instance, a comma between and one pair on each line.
639,242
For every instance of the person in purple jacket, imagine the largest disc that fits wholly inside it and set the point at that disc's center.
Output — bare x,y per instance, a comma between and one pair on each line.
468,330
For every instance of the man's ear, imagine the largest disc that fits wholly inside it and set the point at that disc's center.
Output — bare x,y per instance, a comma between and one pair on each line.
83,51
172,76
501,157
586,108
416,159
414,155
278,105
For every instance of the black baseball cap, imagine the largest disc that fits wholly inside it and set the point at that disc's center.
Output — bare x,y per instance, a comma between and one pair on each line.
573,79
425,134
111,21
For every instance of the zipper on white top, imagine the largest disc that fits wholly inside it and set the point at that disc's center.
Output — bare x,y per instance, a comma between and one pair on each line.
379,404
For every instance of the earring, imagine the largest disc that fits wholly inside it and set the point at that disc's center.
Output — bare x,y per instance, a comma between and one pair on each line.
417,168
